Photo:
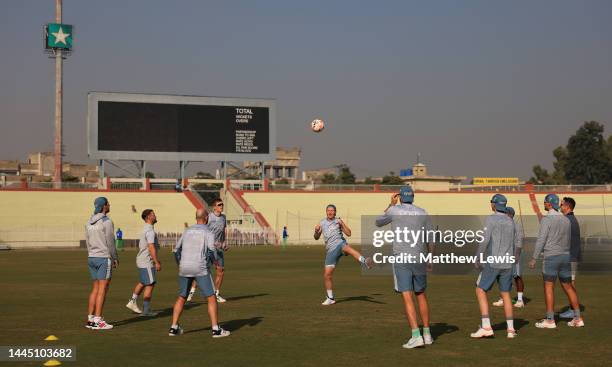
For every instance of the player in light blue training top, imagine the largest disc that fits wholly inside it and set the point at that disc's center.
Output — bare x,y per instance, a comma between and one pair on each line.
333,230
410,279
217,223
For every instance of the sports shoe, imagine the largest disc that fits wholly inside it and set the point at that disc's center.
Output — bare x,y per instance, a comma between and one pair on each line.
414,343
328,301
132,305
512,334
101,325
89,324
428,339
498,303
546,324
190,296
576,323
220,333
175,332
221,299
519,304
482,333
568,314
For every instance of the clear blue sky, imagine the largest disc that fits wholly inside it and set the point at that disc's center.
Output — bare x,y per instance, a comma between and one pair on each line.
480,88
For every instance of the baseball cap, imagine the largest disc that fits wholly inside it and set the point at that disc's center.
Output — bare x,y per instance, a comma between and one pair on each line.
500,202
510,210
99,203
553,199
406,194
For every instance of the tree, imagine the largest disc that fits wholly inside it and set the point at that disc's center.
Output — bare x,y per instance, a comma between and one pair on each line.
201,174
586,160
346,176
392,179
149,174
328,178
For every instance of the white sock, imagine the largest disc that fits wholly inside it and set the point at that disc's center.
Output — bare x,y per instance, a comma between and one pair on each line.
90,317
510,324
174,326
216,292
97,318
330,294
519,296
362,259
192,290
486,322
134,297
215,327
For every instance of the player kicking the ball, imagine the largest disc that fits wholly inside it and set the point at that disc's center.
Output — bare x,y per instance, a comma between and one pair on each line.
333,230
191,253
516,269
498,242
410,279
147,264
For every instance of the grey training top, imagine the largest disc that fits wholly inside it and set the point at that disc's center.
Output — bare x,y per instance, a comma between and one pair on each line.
217,226
144,259
332,233
554,235
192,250
575,250
100,237
498,239
415,220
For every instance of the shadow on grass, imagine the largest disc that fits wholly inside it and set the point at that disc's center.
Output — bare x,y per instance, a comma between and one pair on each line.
567,307
233,325
160,313
237,298
518,325
360,298
440,328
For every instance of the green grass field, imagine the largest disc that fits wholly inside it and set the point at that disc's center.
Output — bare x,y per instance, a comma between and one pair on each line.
275,316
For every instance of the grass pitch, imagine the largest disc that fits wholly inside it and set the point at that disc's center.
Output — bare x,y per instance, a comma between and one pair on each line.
275,316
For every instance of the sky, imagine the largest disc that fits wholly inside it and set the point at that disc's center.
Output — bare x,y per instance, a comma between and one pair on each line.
478,88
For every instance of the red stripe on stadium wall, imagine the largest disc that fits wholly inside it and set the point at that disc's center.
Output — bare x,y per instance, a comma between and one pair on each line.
534,202
194,201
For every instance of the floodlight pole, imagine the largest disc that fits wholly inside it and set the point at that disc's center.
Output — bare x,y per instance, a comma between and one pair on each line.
57,176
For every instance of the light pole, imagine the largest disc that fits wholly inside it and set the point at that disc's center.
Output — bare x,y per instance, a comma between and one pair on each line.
57,176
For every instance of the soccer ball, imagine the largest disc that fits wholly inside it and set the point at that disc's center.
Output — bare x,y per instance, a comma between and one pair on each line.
317,125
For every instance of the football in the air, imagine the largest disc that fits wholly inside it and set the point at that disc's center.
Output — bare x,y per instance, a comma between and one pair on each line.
317,125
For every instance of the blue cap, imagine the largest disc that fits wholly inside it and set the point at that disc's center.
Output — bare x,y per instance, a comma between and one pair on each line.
553,199
510,210
500,202
99,204
406,194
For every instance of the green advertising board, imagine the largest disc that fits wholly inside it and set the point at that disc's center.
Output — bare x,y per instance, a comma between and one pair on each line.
59,36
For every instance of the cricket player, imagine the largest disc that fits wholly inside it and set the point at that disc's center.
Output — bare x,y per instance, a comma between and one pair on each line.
498,242
333,230
567,208
148,265
102,258
410,279
554,241
217,223
191,252
516,268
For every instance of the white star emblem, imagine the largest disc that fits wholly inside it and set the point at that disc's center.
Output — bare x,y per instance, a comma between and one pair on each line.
60,36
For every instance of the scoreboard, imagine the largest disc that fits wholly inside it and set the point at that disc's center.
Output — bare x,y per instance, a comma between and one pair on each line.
171,128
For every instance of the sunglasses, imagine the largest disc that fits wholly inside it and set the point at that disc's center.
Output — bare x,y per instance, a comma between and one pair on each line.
220,204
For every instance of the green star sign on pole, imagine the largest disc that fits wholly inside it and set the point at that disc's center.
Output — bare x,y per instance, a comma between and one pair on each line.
59,36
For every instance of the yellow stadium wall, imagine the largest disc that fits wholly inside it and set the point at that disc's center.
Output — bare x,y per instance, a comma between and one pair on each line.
300,212
48,219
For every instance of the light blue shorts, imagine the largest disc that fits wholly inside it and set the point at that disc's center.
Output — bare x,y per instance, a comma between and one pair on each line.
147,276
488,276
205,284
406,278
557,266
100,268
333,256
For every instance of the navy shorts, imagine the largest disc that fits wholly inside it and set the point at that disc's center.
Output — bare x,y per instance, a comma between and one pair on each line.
147,276
488,276
333,256
407,278
205,284
557,266
100,268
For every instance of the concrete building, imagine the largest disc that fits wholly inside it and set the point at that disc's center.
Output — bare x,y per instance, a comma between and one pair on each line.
285,166
421,180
